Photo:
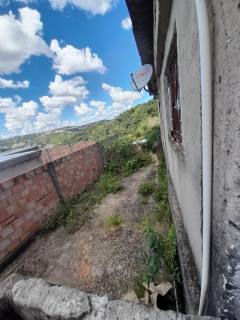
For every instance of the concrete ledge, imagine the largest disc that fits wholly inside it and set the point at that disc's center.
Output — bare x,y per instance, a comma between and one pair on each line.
35,299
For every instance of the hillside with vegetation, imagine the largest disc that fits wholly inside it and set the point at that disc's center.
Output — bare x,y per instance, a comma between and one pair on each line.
133,124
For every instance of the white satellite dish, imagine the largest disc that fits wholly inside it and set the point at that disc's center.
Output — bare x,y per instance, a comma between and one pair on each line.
141,77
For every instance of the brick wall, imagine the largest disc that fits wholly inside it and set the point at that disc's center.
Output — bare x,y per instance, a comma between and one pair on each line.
30,197
54,153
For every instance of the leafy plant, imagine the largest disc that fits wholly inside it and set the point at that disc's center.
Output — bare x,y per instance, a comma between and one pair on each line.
146,188
137,285
132,165
114,220
153,139
108,183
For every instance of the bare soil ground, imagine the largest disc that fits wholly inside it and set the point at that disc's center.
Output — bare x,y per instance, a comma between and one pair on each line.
96,258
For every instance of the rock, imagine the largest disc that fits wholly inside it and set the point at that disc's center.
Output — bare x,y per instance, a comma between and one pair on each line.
153,299
5,292
161,288
35,299
131,297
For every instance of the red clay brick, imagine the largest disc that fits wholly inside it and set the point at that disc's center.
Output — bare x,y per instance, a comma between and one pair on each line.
4,244
29,226
7,221
18,223
18,187
16,235
29,214
6,232
5,194
31,205
29,174
14,244
4,215
7,184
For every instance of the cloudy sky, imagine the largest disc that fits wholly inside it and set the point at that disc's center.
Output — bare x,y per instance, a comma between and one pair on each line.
64,62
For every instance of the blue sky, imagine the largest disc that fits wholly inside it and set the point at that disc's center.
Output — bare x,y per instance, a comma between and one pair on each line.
64,62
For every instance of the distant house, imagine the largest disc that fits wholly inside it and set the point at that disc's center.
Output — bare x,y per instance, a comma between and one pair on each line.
194,46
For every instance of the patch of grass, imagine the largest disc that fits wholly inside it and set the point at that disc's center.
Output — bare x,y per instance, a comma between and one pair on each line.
146,188
108,183
138,161
153,252
163,212
137,285
161,249
77,211
114,220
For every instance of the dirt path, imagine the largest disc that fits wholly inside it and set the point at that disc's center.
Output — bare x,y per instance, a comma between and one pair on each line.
95,258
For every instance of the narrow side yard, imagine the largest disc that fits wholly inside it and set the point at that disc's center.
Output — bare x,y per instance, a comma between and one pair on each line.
114,238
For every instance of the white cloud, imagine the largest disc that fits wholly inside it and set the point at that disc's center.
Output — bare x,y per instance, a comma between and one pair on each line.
100,107
74,87
20,38
6,103
23,118
10,84
122,100
127,23
64,93
56,102
69,60
82,109
18,118
121,96
92,6
98,110
47,121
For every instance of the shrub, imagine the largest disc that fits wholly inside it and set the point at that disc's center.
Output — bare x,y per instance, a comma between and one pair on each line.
114,220
116,154
163,212
108,183
153,139
146,188
161,251
132,165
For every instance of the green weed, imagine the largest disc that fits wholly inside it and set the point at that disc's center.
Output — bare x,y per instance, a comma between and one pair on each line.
108,183
153,139
137,285
114,220
146,188
138,161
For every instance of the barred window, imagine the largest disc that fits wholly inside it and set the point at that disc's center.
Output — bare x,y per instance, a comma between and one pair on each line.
174,92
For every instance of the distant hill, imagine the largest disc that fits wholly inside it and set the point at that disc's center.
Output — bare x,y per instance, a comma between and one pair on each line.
133,124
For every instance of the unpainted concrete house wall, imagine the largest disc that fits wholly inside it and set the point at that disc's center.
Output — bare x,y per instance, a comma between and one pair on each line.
29,198
185,166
